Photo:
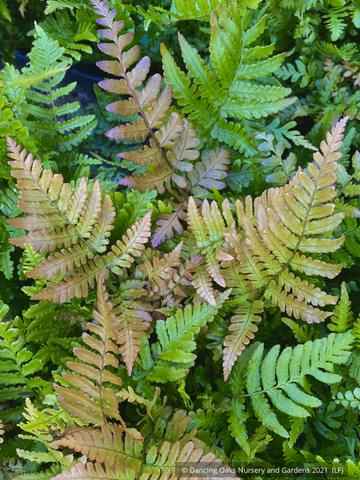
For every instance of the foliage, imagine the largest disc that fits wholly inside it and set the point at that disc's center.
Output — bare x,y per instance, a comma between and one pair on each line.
184,288
230,87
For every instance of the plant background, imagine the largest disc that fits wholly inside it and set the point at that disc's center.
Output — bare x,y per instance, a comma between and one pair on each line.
321,67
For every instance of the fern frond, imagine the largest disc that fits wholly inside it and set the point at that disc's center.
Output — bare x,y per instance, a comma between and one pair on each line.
71,39
133,318
148,104
77,224
129,454
202,282
18,366
342,318
211,94
334,20
191,9
88,398
168,222
45,420
56,135
238,415
161,269
242,330
176,342
132,244
4,10
209,172
172,139
302,333
279,232
281,377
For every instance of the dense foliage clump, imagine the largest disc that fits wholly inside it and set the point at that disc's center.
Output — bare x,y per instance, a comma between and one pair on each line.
179,252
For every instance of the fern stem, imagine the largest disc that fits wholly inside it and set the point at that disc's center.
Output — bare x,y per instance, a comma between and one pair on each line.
141,111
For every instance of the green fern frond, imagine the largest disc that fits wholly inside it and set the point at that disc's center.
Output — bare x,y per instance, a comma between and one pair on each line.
54,5
70,31
18,366
193,9
226,88
348,398
335,21
173,354
55,135
46,420
280,378
302,333
342,318
6,264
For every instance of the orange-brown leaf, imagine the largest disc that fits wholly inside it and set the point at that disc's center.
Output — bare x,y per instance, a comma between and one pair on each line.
132,244
61,262
115,86
145,156
131,131
156,113
101,230
149,93
148,181
110,66
242,330
75,286
203,285
169,132
130,56
45,240
139,72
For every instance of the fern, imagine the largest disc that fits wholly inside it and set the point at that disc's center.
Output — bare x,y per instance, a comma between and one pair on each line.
79,222
174,350
121,454
71,33
287,390
285,223
193,10
6,264
18,364
39,428
107,315
172,138
12,95
303,72
342,318
4,10
55,5
286,171
227,89
84,393
302,333
55,135
334,20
